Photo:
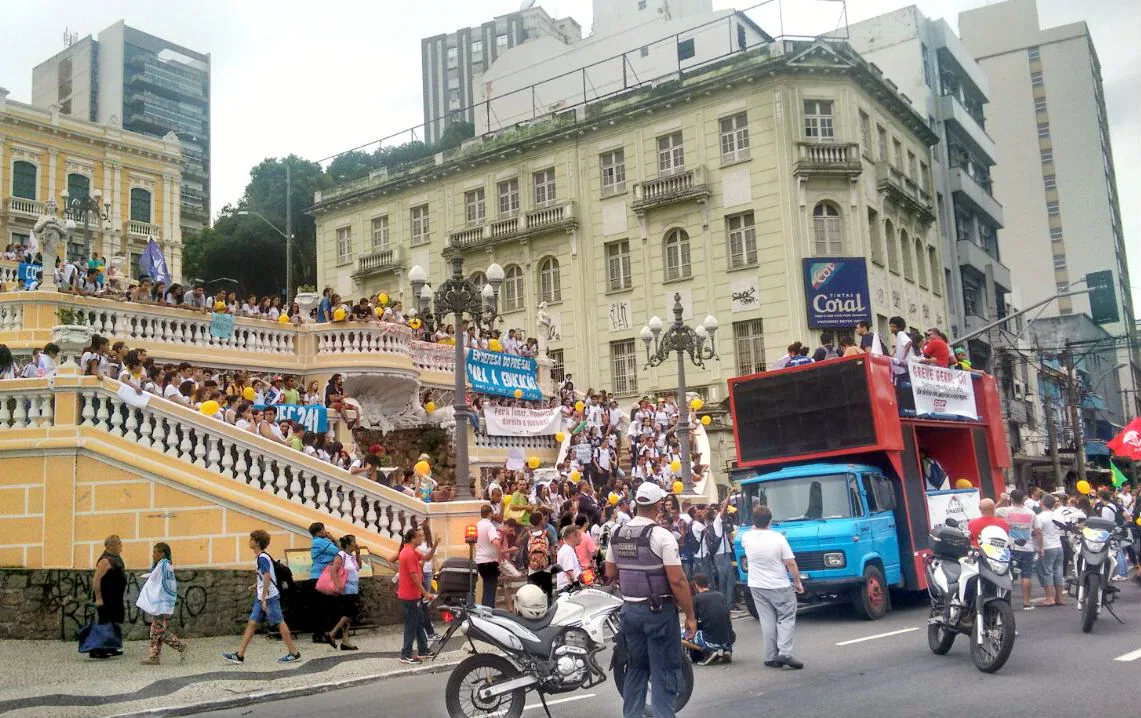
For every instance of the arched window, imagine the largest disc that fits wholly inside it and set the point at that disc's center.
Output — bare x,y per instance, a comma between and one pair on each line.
920,262
828,230
78,186
936,269
23,179
140,205
479,279
550,289
905,255
889,235
512,292
875,236
676,253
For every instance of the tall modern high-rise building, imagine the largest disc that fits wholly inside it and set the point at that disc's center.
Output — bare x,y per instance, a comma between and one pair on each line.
145,84
1055,175
453,63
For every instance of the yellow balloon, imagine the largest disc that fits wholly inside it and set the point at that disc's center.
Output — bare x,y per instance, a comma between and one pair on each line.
339,314
518,393
209,408
964,484
560,436
533,462
380,312
248,393
675,466
575,477
415,324
382,298
1139,520
696,404
678,487
731,509
705,420
422,468
1083,487
283,319
219,306
495,345
430,407
613,500
579,406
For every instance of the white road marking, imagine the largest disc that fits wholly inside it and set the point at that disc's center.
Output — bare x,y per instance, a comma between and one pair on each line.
1131,656
878,635
561,700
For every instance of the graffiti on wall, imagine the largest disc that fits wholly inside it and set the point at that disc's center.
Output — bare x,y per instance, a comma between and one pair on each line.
70,593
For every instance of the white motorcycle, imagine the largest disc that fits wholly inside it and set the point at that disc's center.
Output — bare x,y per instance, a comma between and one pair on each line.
970,594
554,653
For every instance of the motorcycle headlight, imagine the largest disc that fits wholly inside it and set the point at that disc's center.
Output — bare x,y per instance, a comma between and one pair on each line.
996,554
1095,539
1093,546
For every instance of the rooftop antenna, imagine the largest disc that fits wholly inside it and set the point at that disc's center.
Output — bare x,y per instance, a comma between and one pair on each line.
69,38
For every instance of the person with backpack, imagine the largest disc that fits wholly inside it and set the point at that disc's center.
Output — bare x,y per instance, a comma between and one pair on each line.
827,348
539,550
267,604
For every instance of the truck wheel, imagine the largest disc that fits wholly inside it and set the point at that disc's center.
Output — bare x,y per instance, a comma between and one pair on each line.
750,606
871,599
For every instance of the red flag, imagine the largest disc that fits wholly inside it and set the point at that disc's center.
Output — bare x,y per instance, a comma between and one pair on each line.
1127,444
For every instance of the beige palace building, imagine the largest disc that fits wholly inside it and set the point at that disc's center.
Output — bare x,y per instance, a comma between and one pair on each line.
44,153
715,186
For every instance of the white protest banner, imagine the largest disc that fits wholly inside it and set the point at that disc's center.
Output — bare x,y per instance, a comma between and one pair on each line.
941,391
514,421
959,504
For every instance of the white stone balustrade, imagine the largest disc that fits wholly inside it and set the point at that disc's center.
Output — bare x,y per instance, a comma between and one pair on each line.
192,329
427,356
26,409
348,338
29,208
9,273
487,441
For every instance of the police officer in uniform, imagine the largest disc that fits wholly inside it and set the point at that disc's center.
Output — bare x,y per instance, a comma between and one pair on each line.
644,557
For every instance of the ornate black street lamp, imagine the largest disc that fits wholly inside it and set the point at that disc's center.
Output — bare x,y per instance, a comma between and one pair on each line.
700,346
84,209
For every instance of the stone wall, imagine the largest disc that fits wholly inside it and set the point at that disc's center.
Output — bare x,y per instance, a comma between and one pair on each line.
55,603
403,447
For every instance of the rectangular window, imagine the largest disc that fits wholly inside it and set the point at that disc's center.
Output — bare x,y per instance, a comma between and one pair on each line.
881,142
818,120
1036,79
923,176
897,154
865,133
1047,155
558,368
1053,208
671,154
380,233
1050,181
911,165
140,205
344,244
624,367
1040,104
508,197
1062,286
685,50
875,236
644,51
421,227
928,76
1043,129
1055,234
749,341
742,240
502,42
618,265
1059,263
971,297
475,209
477,48
1033,53
544,187
734,138
613,166
453,56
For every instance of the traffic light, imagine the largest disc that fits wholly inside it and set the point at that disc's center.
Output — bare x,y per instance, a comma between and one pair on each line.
1102,297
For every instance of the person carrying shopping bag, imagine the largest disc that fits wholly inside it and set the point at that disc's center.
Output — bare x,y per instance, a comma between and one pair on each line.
157,597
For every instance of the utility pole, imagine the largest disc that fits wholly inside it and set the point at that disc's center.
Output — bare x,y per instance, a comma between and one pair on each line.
1075,413
1051,429
288,236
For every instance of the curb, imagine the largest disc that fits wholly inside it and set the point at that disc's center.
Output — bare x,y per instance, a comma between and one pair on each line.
279,695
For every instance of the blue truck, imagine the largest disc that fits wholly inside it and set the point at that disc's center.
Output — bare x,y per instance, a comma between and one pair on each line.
837,452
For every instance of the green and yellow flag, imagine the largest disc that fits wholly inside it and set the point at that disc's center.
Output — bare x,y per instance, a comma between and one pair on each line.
1118,477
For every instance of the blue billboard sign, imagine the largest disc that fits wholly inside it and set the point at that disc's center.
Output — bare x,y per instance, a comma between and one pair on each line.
836,292
503,374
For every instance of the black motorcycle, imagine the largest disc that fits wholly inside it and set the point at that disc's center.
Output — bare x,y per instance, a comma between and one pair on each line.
1095,547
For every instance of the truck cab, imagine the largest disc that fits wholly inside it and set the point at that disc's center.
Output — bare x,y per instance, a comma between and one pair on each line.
839,520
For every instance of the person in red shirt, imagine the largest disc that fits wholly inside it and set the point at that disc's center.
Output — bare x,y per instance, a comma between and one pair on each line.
935,349
410,589
976,526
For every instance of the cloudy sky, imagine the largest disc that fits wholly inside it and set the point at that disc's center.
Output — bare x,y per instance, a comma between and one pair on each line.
318,78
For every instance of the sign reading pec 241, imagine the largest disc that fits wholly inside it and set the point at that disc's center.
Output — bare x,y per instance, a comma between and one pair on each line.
836,292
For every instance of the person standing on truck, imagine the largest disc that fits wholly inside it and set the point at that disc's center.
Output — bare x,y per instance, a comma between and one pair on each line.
1021,520
771,563
902,348
644,558
935,349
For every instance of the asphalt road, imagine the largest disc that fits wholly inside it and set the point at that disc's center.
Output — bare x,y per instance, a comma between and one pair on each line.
881,669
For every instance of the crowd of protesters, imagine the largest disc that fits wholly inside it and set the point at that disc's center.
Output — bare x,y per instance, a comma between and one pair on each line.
903,345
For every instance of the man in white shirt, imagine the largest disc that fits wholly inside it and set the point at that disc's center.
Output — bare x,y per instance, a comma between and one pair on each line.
1051,569
47,360
487,545
771,562
567,559
902,346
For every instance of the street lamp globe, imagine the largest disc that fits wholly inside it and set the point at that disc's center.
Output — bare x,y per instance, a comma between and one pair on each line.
647,335
417,275
427,293
487,293
495,274
655,324
710,323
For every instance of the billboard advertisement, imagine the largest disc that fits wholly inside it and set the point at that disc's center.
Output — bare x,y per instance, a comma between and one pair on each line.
836,292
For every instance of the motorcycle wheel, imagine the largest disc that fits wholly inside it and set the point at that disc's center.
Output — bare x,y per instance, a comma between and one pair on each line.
1091,601
683,695
992,651
471,674
939,638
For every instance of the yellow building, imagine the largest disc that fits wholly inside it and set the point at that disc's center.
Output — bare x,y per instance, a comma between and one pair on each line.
134,179
715,186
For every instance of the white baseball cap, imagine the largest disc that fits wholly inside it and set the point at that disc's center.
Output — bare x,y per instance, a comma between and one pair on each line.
649,493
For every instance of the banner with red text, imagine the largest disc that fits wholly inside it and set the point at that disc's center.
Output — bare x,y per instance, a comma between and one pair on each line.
514,421
942,391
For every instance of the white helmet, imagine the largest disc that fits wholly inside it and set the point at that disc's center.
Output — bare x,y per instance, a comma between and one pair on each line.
530,602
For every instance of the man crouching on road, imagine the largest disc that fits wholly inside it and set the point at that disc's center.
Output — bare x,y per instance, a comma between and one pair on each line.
771,562
644,558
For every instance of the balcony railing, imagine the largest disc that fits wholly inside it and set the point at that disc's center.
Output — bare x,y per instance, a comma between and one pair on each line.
903,190
382,260
528,224
828,159
684,186
28,208
144,230
427,356
9,273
